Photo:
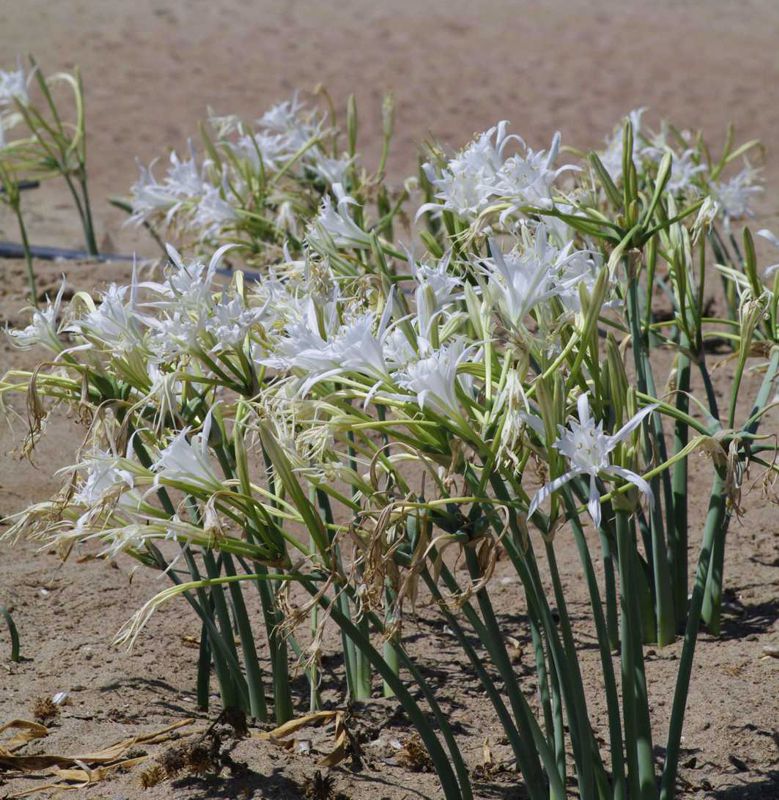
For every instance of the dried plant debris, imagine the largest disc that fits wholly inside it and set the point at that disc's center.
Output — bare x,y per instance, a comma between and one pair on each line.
344,743
45,710
414,755
208,754
489,767
152,775
321,787
73,771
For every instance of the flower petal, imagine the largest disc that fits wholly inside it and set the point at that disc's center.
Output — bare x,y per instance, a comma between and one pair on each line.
593,502
583,406
546,491
631,425
631,477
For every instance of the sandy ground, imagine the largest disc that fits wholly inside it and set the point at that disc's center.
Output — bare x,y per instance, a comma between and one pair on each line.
151,68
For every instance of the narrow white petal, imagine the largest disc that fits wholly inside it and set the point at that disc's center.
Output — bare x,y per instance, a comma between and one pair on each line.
632,424
546,491
631,477
593,503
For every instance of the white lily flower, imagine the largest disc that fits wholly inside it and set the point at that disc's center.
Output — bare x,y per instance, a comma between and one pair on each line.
177,333
684,170
434,378
519,280
187,285
148,196
354,347
735,196
291,119
464,184
187,460
184,182
103,475
13,87
213,212
587,449
334,224
436,289
116,322
231,322
44,328
268,150
184,178
331,170
398,351
527,179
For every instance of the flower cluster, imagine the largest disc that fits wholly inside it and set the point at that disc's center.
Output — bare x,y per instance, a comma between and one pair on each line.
360,404
692,175
252,182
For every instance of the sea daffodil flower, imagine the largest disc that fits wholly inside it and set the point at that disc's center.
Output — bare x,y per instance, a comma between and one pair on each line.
588,451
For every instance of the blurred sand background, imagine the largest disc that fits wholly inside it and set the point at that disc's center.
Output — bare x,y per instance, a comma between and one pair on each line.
151,68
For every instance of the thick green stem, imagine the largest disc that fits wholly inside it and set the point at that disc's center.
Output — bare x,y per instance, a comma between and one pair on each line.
714,520
521,554
203,685
581,720
531,768
610,586
234,692
529,730
638,734
358,674
89,227
604,644
515,740
654,445
257,706
712,600
677,534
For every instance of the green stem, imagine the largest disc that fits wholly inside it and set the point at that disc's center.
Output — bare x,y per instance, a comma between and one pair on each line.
638,734
714,521
677,534
257,706
604,645
494,642
203,670
234,692
27,255
712,600
89,228
653,438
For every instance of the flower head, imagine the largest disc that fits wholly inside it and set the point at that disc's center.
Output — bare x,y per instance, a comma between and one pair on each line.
44,328
335,224
13,87
521,279
588,451
735,196
186,459
434,378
